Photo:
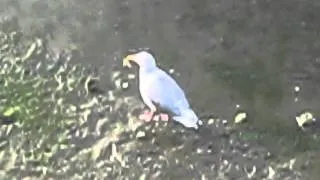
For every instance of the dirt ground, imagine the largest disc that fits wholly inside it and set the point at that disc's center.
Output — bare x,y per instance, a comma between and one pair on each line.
225,53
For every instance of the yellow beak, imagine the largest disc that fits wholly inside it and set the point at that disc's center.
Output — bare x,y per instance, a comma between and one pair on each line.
126,60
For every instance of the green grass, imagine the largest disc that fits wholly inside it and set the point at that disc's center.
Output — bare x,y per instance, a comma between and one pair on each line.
35,107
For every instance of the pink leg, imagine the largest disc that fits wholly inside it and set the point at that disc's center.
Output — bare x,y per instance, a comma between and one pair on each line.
146,116
161,117
164,117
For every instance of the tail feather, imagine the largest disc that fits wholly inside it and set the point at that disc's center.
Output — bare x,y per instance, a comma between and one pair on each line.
188,118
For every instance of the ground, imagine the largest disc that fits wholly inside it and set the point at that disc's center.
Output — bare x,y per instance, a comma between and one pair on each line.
224,53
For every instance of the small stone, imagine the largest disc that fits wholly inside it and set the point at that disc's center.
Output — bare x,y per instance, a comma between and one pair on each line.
153,131
225,162
224,121
211,121
176,161
240,117
131,76
199,151
118,83
140,134
125,85
304,118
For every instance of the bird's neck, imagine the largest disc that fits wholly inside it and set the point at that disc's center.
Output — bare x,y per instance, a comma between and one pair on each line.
147,69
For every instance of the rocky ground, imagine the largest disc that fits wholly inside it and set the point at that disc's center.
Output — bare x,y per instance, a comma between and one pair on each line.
69,108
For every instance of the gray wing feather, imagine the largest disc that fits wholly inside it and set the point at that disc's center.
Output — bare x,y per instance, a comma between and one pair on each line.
166,92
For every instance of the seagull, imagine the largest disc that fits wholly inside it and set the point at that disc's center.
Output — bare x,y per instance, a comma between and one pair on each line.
160,92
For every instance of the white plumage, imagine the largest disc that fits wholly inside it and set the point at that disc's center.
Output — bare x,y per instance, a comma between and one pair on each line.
159,90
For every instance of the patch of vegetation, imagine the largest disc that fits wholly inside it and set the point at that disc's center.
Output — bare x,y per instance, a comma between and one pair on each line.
37,94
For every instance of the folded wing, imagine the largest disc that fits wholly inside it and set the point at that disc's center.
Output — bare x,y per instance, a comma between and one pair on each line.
166,92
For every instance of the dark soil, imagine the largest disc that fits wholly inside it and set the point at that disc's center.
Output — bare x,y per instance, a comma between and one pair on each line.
225,53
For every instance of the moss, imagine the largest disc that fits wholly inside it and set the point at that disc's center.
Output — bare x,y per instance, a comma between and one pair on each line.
34,103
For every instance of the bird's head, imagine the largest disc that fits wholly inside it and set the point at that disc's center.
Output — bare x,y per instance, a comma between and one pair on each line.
143,59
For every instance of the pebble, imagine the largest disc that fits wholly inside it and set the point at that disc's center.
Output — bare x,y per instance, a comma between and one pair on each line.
199,151
118,83
140,134
240,117
304,118
131,76
211,121
224,121
125,85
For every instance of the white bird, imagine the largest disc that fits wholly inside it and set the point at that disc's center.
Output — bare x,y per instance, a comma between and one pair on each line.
160,92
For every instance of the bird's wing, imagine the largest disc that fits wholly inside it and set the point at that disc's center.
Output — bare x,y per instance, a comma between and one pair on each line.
163,90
